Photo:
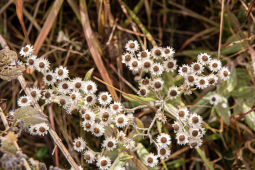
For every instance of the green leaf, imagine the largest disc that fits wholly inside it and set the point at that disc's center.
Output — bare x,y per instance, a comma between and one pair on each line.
29,115
249,118
204,158
88,74
176,163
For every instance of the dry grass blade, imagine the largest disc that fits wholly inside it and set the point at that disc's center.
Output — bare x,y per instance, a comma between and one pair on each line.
19,11
94,47
47,25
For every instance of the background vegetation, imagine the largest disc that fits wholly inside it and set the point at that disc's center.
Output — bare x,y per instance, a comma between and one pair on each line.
61,32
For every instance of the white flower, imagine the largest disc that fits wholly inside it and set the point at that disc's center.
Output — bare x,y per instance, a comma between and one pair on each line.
195,142
151,160
163,152
215,65
170,65
104,162
144,55
33,130
145,82
190,79
72,109
24,101
183,113
182,138
215,99
47,95
31,60
197,68
195,120
173,92
105,116
90,86
168,52
177,127
134,64
224,73
157,52
126,58
79,144
203,58
89,156
147,64
104,98
202,82
42,65
77,84
90,99
157,84
97,129
143,91
75,97
35,93
121,120
42,129
61,72
64,87
63,100
49,78
212,79
157,69
163,139
26,51
110,143
132,46
116,107
89,116
184,70
194,132
87,126
121,137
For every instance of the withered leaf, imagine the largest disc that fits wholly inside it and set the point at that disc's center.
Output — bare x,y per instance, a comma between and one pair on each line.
29,115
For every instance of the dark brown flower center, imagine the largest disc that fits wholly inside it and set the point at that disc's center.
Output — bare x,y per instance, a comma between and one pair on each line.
96,130
150,160
215,65
211,80
181,138
167,51
195,119
157,85
145,81
105,116
87,156
132,45
225,73
143,92
191,79
89,87
157,52
49,77
104,97
120,120
194,144
25,49
88,125
156,68
115,107
42,129
162,151
41,65
62,102
31,61
143,54
47,95
24,100
194,133
104,163
73,96
205,58
87,117
202,82
173,93
89,99
110,144
196,67
181,113
65,86
213,99
33,93
176,127
127,57
74,111
184,69
163,140
77,85
78,144
170,64
60,72
134,63
147,64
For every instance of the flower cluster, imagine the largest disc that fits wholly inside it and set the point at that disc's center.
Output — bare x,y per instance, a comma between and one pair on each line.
99,111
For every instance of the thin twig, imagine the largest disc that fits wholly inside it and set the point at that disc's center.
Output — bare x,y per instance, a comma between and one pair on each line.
221,26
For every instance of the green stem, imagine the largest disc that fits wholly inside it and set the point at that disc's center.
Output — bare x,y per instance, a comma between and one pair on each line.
206,161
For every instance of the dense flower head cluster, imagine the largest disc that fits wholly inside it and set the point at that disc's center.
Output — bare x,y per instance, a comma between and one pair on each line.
98,110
